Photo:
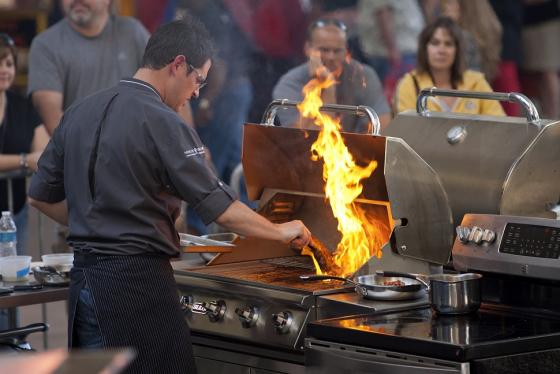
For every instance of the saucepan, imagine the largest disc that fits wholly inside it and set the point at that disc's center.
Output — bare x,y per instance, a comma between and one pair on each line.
381,287
450,293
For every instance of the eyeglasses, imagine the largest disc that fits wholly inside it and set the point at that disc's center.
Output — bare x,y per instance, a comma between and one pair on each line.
6,39
326,22
200,80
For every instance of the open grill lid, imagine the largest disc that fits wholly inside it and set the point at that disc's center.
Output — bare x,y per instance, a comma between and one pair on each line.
498,165
280,173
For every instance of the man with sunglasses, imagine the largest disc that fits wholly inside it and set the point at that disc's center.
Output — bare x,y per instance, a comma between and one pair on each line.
116,170
357,84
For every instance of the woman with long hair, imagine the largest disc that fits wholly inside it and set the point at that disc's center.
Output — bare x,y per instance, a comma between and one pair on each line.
441,64
22,138
479,20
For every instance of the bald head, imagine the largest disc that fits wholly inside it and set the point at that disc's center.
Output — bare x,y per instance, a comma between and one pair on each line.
329,41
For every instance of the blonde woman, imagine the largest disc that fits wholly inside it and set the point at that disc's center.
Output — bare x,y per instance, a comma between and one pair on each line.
480,21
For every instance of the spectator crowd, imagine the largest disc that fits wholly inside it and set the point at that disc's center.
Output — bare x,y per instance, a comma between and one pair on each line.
381,53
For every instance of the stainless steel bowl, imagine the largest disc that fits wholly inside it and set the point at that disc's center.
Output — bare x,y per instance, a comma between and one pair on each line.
455,294
52,276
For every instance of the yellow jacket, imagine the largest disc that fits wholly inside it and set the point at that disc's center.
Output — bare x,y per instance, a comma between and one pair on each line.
406,94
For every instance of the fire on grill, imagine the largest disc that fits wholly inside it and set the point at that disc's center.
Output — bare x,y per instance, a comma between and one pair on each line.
362,237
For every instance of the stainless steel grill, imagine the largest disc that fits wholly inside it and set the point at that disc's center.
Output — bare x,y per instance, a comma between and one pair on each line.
253,295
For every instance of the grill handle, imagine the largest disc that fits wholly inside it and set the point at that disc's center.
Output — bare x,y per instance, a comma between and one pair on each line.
513,97
360,110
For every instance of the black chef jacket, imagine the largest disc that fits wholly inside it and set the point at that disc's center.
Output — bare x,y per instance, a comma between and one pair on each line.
123,160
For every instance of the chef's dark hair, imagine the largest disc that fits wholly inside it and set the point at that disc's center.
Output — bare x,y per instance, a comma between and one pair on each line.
187,37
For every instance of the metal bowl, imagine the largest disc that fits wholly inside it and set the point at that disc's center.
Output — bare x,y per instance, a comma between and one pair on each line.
52,275
455,294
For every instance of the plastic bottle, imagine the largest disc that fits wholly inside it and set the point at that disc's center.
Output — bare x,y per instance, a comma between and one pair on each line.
8,239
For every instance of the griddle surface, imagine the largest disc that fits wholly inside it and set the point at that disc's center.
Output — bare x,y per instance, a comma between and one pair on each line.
281,273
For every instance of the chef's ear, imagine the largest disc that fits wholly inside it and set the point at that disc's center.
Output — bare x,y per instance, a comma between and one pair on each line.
178,61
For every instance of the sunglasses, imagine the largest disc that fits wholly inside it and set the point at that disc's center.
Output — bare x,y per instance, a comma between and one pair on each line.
200,80
328,22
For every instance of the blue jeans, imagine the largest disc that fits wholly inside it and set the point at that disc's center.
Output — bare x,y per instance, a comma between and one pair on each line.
86,326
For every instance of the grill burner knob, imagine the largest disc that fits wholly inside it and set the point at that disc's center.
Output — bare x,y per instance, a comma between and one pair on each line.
463,233
215,310
282,322
186,303
248,316
488,236
475,235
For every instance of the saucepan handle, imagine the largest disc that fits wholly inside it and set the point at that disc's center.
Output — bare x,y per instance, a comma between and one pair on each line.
323,277
382,273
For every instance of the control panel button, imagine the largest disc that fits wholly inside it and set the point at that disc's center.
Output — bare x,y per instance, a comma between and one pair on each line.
282,322
248,316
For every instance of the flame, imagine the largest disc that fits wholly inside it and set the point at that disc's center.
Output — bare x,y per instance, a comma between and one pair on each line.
361,235
306,252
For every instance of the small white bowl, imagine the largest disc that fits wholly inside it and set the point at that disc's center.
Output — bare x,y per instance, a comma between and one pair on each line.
14,268
58,259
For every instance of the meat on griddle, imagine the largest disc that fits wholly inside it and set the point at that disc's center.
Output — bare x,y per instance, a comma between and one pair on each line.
323,256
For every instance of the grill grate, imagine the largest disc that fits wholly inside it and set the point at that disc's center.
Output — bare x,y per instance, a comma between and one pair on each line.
299,262
278,271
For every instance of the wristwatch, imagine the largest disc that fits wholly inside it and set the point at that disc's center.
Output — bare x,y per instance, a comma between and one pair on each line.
203,104
23,161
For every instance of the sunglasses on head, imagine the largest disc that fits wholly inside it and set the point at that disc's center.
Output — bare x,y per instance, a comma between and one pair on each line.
328,22
7,40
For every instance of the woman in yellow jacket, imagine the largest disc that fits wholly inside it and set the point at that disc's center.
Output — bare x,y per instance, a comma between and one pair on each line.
441,64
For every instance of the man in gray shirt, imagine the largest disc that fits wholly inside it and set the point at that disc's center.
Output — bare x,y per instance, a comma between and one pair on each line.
356,84
87,51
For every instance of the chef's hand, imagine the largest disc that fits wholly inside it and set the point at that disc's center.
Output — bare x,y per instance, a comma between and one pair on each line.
295,233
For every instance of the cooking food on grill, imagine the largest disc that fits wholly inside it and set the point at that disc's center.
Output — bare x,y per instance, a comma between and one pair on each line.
396,283
322,255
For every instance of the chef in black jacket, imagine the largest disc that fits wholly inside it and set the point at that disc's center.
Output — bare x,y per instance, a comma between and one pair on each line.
115,171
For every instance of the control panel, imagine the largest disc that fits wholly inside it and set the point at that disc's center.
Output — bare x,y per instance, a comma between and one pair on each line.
525,246
531,240
243,316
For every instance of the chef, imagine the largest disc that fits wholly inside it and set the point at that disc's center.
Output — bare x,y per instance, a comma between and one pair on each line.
115,171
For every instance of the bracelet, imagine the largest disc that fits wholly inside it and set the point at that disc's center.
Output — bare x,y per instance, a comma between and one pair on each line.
23,161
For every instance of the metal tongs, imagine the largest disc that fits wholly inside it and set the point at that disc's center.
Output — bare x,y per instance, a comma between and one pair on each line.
198,244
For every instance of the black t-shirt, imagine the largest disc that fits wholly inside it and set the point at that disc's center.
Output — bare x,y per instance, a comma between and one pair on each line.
16,136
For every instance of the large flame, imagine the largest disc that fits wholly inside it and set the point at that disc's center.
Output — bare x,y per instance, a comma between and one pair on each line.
361,235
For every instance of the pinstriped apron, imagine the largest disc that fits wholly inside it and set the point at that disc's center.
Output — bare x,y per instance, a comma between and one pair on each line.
137,305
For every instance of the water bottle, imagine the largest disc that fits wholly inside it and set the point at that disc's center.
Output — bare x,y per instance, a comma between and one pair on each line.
8,238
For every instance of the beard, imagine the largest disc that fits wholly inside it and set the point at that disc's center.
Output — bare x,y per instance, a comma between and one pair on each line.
82,16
